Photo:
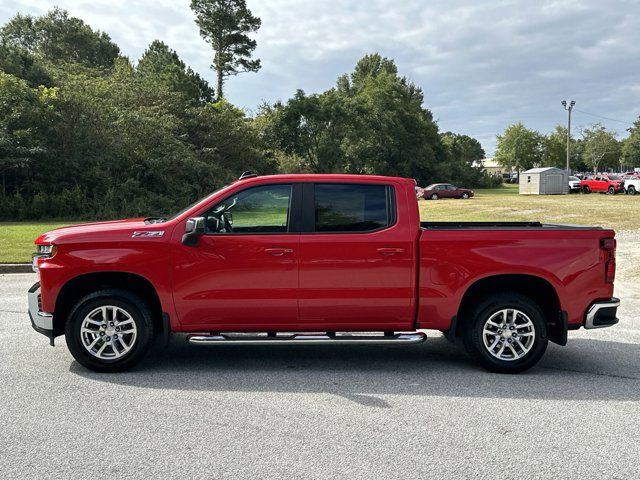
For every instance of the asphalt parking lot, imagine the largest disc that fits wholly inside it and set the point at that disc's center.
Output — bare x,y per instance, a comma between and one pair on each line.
319,412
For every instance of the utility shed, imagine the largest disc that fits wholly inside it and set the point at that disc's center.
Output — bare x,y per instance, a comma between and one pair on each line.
544,181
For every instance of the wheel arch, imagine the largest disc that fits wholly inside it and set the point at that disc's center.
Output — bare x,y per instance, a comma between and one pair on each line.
78,287
537,288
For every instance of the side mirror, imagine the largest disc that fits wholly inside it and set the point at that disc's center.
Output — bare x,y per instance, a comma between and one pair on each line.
193,229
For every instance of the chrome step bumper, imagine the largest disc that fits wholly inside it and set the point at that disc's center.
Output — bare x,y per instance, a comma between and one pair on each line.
42,322
307,339
602,314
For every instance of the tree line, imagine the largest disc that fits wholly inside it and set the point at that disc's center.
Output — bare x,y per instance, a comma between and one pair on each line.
593,149
87,132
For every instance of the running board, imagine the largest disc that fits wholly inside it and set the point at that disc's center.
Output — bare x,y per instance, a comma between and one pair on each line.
300,339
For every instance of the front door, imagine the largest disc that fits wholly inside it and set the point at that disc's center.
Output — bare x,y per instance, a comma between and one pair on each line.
356,261
243,275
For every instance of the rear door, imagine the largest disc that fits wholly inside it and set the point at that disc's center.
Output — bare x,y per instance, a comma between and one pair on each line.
599,184
453,191
443,191
356,258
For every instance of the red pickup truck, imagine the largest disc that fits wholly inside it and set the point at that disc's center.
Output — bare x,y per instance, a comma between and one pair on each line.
313,259
610,184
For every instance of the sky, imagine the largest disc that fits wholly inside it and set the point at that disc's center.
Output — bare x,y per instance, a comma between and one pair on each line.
482,64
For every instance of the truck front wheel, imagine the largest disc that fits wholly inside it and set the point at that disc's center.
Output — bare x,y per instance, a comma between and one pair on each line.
506,333
109,330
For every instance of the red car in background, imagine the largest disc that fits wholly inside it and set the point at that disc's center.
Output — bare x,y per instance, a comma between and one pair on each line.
609,184
446,190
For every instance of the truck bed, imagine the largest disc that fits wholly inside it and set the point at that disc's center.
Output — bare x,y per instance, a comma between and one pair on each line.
455,255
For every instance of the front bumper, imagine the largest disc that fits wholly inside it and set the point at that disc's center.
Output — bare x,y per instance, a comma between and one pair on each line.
602,314
42,322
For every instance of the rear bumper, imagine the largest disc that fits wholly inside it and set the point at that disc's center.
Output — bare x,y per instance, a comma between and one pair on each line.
42,322
602,314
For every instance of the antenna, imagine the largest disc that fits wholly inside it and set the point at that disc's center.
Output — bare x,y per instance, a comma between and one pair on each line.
247,174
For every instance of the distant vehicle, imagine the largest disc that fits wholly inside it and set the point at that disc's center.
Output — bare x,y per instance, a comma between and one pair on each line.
510,177
574,184
446,190
610,184
632,185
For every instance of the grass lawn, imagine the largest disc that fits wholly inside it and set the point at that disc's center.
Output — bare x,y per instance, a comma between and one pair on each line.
16,239
620,212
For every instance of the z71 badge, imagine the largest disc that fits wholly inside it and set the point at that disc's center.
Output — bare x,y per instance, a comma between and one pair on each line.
154,234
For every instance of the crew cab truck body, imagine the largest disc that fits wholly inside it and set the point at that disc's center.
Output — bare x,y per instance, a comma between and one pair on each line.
304,254
609,184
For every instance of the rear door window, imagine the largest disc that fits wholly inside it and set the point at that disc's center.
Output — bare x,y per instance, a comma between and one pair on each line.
353,208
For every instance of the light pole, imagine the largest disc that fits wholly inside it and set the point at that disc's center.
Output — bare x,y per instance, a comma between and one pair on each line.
568,108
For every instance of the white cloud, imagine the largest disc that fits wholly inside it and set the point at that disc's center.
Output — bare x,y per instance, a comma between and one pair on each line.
482,65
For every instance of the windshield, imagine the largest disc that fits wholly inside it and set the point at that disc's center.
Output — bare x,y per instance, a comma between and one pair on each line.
615,177
175,215
574,179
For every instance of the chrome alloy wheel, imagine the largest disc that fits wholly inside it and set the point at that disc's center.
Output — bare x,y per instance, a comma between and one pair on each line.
108,332
508,334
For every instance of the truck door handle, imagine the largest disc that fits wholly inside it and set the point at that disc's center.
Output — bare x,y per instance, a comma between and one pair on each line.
278,252
388,251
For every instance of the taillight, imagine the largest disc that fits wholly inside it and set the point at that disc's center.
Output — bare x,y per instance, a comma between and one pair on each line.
608,245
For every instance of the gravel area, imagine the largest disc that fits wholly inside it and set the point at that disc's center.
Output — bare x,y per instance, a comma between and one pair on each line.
231,412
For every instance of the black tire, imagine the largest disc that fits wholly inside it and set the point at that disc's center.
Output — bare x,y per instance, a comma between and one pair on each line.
473,333
134,306
586,189
611,191
465,195
434,196
631,190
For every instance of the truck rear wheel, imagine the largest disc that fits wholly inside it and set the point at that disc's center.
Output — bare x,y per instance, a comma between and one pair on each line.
109,330
631,190
506,333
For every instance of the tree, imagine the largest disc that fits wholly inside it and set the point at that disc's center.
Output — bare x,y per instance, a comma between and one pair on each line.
554,150
310,128
58,37
225,24
373,121
160,64
463,147
601,148
19,62
225,140
25,122
631,146
519,148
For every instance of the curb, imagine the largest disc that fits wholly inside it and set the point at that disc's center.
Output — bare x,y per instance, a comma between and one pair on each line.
15,268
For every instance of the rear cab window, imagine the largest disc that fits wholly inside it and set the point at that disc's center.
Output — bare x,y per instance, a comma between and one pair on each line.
354,208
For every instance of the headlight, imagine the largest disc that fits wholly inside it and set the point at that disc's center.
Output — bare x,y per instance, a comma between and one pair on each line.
42,251
45,250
